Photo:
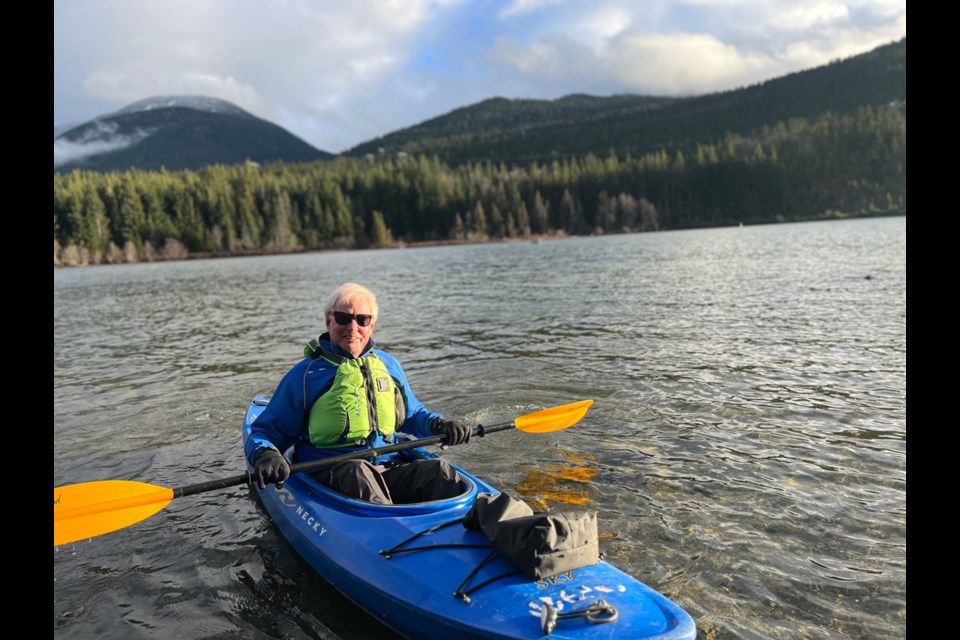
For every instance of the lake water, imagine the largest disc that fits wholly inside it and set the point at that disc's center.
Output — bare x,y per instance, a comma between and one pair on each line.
746,454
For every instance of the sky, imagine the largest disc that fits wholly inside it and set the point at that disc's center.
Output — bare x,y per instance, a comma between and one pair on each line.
337,73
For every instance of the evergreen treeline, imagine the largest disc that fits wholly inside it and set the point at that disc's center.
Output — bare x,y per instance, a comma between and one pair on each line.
831,166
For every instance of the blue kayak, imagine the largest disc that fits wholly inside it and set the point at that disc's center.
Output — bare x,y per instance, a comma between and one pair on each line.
415,568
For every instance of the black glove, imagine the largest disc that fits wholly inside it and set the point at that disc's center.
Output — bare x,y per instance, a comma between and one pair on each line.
270,467
456,432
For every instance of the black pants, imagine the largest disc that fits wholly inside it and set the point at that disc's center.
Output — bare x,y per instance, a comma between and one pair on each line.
404,483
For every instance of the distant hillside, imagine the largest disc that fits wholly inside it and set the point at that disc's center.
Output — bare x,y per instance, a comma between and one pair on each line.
822,144
521,131
177,132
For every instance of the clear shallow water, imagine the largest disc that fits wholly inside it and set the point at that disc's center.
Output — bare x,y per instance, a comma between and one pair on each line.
746,453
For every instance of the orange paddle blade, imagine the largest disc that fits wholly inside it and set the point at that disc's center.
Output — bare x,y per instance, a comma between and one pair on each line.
554,418
89,509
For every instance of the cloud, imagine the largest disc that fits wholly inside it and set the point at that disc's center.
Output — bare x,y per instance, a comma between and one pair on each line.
692,46
658,64
101,138
685,64
134,81
521,7
339,73
274,59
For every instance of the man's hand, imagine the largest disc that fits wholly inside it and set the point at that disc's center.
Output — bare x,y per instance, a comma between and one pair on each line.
270,467
456,431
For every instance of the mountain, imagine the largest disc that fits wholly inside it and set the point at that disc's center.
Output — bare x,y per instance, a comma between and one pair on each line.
521,131
177,132
61,128
189,132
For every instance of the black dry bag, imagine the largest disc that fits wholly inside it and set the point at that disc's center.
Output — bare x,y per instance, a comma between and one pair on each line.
539,544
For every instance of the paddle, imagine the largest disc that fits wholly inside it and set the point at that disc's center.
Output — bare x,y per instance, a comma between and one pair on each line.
91,509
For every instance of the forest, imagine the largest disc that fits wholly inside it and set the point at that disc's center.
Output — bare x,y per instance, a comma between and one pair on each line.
831,166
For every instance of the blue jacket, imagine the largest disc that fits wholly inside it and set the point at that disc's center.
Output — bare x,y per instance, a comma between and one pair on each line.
284,421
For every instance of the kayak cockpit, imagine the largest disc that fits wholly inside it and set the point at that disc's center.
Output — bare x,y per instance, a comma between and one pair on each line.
341,502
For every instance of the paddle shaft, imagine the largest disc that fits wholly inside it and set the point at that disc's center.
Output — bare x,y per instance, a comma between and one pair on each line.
247,478
89,509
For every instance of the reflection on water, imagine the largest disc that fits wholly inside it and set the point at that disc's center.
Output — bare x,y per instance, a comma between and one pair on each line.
746,454
557,484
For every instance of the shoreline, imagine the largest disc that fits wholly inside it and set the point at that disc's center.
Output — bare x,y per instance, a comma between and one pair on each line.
534,239
219,255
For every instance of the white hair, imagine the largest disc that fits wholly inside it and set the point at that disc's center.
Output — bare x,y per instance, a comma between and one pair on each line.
351,291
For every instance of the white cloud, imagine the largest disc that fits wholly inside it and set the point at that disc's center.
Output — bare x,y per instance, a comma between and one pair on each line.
685,64
134,81
545,58
305,55
799,17
107,139
601,25
691,46
642,63
521,7
338,73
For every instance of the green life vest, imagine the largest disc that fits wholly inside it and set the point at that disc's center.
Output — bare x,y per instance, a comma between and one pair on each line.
362,400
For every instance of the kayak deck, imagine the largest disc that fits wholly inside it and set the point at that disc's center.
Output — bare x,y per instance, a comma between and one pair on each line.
419,571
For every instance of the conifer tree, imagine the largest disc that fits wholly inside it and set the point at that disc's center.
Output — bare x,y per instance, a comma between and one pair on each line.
540,218
381,237
477,224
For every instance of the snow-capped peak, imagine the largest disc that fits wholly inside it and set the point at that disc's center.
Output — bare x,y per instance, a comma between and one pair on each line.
199,103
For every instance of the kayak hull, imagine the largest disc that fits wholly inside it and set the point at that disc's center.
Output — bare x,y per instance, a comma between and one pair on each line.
415,588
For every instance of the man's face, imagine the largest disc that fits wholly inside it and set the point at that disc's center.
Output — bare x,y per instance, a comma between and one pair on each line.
350,337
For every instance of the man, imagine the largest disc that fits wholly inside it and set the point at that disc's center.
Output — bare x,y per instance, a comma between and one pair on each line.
344,395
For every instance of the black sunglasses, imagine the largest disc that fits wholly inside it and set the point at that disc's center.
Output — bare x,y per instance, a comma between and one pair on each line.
344,318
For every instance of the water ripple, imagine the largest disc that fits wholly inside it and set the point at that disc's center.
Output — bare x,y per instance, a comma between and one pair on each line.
746,453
